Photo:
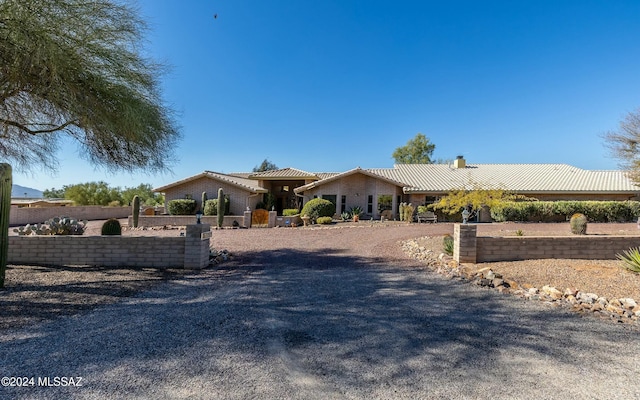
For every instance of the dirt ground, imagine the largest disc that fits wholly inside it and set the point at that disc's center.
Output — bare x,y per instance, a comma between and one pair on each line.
36,293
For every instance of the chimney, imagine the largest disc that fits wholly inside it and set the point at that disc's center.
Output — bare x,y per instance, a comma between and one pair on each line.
459,162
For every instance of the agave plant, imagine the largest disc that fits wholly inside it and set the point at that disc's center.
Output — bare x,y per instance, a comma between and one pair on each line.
630,259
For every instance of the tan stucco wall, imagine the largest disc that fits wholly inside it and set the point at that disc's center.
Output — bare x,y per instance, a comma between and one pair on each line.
357,188
238,197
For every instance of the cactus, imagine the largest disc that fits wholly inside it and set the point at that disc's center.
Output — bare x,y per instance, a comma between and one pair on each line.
578,224
220,208
111,227
5,208
203,202
135,210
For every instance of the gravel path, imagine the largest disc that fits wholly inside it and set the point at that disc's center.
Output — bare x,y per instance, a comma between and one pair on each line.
325,313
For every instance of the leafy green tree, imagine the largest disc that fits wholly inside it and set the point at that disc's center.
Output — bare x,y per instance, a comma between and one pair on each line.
146,194
624,144
76,68
265,166
92,193
417,151
53,193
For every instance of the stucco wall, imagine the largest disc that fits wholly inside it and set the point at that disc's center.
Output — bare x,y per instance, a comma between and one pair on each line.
36,215
239,199
357,188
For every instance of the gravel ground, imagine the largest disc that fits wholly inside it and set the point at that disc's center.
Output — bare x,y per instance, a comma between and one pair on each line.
323,313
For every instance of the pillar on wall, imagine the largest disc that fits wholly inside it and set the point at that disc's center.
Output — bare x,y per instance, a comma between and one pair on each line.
247,219
464,243
196,246
272,218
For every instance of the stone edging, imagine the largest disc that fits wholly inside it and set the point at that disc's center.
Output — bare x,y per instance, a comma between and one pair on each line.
620,310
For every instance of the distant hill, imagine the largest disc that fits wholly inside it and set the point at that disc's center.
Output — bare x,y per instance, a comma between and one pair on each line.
18,191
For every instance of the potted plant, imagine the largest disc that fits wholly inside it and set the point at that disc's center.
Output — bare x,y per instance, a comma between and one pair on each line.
355,212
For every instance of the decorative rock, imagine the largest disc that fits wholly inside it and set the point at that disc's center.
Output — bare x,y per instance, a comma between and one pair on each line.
619,310
552,292
628,303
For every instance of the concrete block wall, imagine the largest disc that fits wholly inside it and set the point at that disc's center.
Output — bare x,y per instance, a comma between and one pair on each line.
469,248
114,251
464,243
196,246
183,220
38,215
571,247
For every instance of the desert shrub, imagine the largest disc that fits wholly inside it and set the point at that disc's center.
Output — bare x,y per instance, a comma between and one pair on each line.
578,224
182,207
111,227
318,207
211,206
630,259
324,220
345,216
287,212
114,203
423,209
447,244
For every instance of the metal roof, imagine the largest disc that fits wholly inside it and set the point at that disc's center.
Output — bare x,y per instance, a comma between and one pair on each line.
522,178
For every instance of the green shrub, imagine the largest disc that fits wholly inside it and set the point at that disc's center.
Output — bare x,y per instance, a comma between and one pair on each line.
211,206
447,244
318,207
556,211
630,259
345,216
423,209
324,220
578,224
111,227
182,207
288,212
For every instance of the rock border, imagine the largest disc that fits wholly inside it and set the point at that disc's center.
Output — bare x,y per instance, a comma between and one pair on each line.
624,310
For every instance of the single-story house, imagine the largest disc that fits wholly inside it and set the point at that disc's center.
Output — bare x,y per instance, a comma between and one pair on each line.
379,191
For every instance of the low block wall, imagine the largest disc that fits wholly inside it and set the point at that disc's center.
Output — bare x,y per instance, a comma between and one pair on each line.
190,251
181,220
573,247
469,248
37,215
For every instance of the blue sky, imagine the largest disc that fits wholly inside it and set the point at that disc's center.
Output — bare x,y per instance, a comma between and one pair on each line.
329,85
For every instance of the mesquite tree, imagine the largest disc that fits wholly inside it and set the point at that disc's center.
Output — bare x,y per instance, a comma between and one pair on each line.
75,68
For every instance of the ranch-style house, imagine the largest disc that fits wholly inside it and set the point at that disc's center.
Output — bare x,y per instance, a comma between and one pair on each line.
379,191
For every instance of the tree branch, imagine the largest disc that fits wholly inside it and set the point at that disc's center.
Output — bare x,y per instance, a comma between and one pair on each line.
37,131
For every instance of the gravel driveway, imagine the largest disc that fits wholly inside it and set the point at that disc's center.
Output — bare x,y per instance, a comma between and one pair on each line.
322,314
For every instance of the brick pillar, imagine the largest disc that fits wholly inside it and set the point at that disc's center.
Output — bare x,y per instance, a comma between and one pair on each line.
464,243
272,218
196,246
247,219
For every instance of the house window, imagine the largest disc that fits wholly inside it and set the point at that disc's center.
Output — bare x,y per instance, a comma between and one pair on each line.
343,204
430,200
385,202
370,204
331,197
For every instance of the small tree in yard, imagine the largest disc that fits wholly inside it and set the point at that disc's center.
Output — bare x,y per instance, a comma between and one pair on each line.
475,198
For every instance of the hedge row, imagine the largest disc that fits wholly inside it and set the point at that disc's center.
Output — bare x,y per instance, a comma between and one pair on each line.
554,211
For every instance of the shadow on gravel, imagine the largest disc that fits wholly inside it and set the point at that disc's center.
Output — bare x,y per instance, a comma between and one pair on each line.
329,316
